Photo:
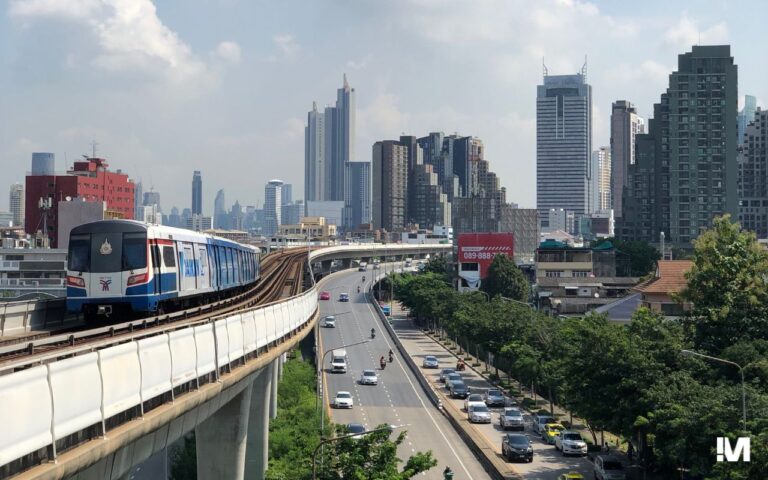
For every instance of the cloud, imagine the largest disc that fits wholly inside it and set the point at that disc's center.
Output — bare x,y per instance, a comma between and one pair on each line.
382,118
286,45
129,35
687,32
360,64
229,52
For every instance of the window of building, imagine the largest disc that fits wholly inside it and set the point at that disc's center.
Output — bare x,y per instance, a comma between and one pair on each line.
554,273
470,267
581,273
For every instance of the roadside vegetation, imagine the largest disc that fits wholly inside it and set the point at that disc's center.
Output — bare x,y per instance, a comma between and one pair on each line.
632,379
295,433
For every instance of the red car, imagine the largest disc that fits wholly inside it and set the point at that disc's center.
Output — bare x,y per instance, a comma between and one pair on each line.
325,296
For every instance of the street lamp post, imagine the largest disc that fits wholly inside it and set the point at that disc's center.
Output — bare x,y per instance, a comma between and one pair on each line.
320,366
741,371
341,437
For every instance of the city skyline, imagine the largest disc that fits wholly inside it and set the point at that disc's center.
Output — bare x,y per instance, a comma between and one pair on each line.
212,118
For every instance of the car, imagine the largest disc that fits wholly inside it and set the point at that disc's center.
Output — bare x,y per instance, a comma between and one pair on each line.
550,432
609,468
495,398
339,361
539,421
473,399
445,372
357,428
459,390
329,321
376,266
430,361
512,418
516,446
369,377
363,267
344,297
325,295
570,443
452,377
571,476
479,413
343,400
385,310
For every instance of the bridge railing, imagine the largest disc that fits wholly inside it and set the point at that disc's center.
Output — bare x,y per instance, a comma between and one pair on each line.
373,249
24,316
45,408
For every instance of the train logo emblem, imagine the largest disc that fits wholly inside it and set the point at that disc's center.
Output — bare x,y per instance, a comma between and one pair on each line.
106,248
105,282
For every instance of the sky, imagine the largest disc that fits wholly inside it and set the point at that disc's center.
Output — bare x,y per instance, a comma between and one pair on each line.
224,86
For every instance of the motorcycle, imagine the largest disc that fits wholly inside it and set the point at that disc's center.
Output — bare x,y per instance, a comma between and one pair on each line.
382,363
373,334
460,366
358,289
391,357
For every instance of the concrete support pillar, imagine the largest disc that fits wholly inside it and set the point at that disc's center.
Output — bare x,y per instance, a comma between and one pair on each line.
222,440
257,454
276,367
283,359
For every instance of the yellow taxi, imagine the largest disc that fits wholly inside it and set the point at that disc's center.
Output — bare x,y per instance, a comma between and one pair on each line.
550,432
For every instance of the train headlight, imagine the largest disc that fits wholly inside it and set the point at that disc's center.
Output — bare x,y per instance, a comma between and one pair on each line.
137,279
76,281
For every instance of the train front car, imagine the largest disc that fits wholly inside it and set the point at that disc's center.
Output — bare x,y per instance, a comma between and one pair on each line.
108,270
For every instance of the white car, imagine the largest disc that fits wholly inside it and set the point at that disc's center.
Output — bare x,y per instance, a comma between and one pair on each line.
570,443
512,418
369,377
479,414
329,321
430,361
472,400
343,400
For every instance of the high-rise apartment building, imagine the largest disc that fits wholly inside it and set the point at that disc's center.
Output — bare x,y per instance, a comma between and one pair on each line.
746,115
16,204
272,204
601,178
686,170
314,156
389,190
287,193
753,176
626,124
428,204
197,193
563,144
357,195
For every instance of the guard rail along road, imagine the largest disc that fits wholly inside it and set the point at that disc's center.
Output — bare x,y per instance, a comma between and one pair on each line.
51,404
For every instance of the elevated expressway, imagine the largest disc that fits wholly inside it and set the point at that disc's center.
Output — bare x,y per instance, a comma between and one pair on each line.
97,408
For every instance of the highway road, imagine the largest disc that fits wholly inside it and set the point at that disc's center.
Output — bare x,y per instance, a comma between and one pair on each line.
398,399
547,463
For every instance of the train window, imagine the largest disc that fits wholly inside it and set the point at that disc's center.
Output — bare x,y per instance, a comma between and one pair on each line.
106,252
134,251
79,252
169,259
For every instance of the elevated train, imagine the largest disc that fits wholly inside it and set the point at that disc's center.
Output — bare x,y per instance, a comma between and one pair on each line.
131,267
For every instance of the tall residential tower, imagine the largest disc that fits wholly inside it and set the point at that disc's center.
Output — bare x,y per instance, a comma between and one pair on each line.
625,126
197,193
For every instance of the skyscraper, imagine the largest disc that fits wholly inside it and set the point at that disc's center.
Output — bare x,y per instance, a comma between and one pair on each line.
625,126
357,195
220,211
197,193
287,193
339,140
16,204
746,115
389,172
563,144
753,176
138,197
429,205
314,156
272,204
601,178
686,171
151,198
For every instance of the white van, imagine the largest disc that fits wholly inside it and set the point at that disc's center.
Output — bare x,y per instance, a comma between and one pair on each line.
339,361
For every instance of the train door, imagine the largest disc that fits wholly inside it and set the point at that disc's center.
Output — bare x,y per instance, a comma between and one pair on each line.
203,268
157,267
187,272
168,269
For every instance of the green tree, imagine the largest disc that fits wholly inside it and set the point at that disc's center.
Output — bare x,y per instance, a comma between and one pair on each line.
642,256
727,286
372,457
436,264
506,279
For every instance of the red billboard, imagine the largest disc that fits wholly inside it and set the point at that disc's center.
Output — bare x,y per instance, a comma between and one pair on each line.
482,247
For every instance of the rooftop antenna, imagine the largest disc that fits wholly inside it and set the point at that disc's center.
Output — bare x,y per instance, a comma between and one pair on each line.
544,67
584,69
346,84
94,144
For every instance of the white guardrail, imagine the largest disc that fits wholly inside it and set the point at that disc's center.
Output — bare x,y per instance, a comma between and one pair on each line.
45,403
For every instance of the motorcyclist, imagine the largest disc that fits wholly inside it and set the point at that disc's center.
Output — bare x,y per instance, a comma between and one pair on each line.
391,356
363,278
382,362
358,289
373,334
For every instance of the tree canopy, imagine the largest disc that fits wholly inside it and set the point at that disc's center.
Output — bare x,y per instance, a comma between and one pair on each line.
506,279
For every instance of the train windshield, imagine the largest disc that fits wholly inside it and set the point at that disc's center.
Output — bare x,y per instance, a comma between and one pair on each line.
134,251
106,252
79,252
